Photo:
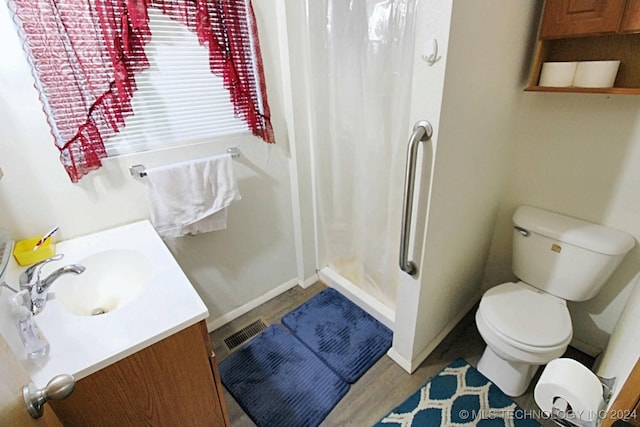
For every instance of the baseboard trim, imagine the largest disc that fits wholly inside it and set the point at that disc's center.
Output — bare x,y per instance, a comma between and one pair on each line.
585,347
412,365
401,361
214,324
309,281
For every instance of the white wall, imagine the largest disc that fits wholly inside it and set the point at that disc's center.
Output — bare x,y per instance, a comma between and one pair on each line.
296,39
577,154
230,268
623,349
486,63
433,21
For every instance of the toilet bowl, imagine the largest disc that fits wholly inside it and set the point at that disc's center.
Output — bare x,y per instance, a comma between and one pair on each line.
523,328
527,324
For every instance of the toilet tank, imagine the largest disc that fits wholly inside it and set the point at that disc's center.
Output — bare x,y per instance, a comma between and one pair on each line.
564,256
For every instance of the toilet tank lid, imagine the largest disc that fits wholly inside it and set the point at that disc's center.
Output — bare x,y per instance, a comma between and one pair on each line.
577,232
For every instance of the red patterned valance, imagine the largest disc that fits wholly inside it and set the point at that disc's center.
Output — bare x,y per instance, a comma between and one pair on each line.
85,55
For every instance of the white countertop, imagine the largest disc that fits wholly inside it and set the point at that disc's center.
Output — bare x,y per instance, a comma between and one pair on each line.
81,345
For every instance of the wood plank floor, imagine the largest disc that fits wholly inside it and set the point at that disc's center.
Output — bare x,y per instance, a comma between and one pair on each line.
385,385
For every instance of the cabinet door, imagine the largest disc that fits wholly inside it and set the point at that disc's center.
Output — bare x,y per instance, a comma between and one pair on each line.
170,383
631,18
565,18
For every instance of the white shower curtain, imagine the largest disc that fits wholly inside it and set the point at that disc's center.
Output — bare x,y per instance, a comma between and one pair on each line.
362,60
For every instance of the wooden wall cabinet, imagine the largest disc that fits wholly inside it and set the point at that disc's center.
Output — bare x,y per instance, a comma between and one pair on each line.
631,18
568,18
174,382
590,30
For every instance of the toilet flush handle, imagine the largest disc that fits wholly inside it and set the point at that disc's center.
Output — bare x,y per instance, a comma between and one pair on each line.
522,231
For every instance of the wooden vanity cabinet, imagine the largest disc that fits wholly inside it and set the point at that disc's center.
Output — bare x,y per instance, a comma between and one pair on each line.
174,382
590,30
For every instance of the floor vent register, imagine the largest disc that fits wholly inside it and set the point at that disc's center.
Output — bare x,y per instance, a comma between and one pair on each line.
245,333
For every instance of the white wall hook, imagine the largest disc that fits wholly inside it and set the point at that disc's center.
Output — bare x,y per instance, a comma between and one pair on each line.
433,58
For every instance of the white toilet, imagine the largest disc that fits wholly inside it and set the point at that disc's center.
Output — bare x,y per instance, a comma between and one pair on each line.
527,324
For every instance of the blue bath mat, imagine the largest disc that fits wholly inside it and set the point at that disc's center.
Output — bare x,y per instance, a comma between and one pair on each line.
280,382
340,333
459,395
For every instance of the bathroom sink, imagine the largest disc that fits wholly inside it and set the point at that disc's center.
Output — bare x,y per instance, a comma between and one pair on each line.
131,295
112,279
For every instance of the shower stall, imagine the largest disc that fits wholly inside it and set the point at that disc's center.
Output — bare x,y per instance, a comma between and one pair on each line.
360,83
361,71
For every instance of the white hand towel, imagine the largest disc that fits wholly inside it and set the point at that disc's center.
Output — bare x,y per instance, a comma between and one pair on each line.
191,197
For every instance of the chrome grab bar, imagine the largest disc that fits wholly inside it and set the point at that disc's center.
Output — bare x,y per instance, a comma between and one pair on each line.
422,131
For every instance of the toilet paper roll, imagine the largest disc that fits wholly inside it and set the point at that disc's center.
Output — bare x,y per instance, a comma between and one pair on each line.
569,380
557,74
596,74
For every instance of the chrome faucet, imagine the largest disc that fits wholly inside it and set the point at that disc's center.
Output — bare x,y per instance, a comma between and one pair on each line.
30,280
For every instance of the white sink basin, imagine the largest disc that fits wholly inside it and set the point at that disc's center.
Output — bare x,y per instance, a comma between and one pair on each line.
131,276
112,279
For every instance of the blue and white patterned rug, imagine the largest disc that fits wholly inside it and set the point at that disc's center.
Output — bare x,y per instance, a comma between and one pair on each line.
458,396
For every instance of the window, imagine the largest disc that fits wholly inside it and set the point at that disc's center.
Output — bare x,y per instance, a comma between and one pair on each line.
120,76
178,99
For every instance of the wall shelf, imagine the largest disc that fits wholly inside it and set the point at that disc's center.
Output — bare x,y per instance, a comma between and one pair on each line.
610,90
602,47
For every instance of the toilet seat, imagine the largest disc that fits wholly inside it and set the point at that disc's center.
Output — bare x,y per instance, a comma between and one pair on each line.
526,318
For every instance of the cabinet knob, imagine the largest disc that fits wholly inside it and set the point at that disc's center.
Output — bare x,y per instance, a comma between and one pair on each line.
58,388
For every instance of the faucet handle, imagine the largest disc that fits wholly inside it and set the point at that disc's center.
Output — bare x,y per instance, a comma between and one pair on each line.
27,277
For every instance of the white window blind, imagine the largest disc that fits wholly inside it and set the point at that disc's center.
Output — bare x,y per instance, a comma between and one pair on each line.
178,100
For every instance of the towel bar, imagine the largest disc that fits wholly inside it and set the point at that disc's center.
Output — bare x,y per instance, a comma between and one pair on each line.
140,171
